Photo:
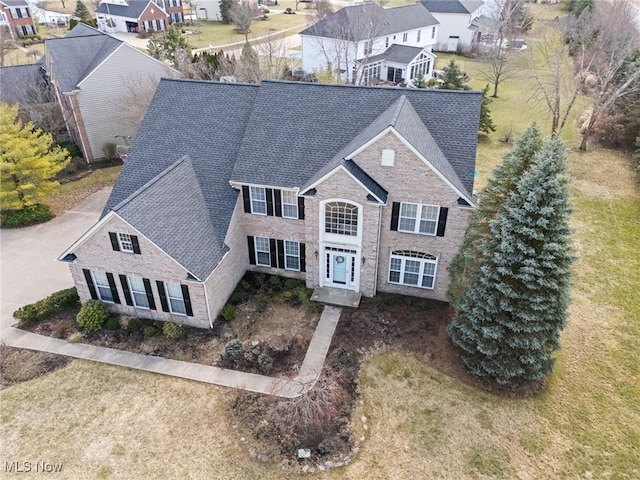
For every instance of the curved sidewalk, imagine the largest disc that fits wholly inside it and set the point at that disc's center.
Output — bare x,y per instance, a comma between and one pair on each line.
286,388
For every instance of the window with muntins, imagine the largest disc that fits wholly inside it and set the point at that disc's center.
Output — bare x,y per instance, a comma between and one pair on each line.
102,286
405,37
289,204
414,269
138,292
258,200
433,32
263,252
418,36
341,218
416,218
175,298
291,255
126,244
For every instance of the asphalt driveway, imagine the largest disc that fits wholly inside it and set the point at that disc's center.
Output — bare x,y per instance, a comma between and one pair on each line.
29,270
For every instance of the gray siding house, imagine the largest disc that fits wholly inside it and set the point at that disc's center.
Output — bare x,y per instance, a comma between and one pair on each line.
96,78
359,188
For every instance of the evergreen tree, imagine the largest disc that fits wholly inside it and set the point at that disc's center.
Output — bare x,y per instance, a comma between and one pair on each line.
509,321
28,161
225,10
467,262
249,65
82,12
170,46
486,122
453,78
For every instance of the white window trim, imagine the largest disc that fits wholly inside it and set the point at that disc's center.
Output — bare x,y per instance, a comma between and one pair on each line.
258,200
294,205
169,297
97,287
337,238
421,274
123,241
286,256
416,228
133,291
405,37
268,251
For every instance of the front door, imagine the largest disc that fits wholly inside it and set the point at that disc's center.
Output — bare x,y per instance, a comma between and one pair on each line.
340,269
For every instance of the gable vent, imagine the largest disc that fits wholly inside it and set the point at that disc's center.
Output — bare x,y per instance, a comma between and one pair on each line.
388,158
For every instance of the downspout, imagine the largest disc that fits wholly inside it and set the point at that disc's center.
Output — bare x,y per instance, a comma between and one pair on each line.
206,300
375,275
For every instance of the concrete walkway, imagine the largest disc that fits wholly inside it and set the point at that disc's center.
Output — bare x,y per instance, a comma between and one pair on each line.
286,388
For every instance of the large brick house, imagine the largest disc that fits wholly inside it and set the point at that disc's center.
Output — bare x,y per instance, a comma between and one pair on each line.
359,188
138,15
16,16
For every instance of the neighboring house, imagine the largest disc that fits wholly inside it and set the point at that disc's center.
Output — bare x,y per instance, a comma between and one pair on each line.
101,84
16,16
456,17
367,189
206,9
368,43
138,15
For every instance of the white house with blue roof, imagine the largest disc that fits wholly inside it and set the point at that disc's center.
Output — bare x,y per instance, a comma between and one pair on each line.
358,189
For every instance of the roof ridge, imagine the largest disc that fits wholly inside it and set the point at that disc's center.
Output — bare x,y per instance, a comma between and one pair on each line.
152,182
401,103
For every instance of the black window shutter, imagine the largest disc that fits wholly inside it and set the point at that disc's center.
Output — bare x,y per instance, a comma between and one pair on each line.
149,292
136,245
114,241
187,300
303,258
395,215
301,208
114,289
252,250
246,199
269,194
442,221
125,289
281,253
277,199
92,287
163,296
273,252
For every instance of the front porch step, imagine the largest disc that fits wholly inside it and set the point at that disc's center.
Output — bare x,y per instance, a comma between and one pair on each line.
337,296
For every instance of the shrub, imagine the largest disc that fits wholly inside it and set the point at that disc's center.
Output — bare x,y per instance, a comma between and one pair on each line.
408,301
134,325
265,363
228,312
259,279
345,359
291,283
27,314
236,298
233,350
149,331
423,305
46,307
64,298
274,281
92,316
325,447
171,330
389,300
112,323
75,337
26,216
110,151
246,286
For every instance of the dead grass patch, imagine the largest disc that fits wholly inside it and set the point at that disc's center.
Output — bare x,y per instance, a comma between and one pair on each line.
17,365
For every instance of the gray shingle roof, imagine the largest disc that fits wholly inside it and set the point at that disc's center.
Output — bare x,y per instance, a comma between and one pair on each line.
23,84
133,10
452,6
278,134
15,3
78,54
397,54
351,23
209,131
83,30
176,221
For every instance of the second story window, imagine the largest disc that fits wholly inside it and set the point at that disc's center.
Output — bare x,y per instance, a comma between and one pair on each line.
368,47
341,218
405,36
126,244
289,204
416,218
418,36
258,200
433,32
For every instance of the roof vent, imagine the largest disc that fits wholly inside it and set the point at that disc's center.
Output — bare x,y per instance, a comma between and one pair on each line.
388,158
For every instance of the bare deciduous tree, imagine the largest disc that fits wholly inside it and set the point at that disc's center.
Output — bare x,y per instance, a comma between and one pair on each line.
242,15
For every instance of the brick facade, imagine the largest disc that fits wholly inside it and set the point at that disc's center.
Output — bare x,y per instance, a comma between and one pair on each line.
157,20
18,17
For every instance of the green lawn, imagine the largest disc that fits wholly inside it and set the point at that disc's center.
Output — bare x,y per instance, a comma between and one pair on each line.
107,422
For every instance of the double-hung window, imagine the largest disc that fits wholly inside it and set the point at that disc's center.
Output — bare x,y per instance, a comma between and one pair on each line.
289,204
258,200
405,36
126,244
291,255
175,298
414,269
263,252
418,36
138,292
416,218
102,286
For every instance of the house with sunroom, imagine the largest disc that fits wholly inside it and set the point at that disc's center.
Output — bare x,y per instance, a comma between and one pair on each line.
369,44
363,189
